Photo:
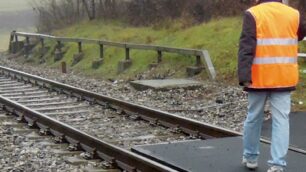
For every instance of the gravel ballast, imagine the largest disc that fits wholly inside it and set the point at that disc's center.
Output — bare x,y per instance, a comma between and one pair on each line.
212,103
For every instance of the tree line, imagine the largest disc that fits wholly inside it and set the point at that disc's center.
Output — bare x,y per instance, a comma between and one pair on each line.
54,14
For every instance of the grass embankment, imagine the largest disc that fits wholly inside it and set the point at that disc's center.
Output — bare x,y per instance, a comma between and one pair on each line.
220,37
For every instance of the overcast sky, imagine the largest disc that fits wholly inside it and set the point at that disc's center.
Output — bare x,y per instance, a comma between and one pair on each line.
15,15
14,5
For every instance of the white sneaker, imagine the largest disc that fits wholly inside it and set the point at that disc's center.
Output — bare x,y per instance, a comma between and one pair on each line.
275,169
252,165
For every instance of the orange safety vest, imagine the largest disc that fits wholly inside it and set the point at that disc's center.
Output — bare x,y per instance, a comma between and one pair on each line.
275,63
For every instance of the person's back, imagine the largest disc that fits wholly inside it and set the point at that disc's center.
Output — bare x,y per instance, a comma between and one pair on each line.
268,70
276,51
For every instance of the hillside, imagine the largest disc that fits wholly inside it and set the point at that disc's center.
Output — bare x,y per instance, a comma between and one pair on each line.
220,37
212,36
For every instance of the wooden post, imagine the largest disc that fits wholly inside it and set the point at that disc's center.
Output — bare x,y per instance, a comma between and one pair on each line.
127,54
80,47
159,57
101,51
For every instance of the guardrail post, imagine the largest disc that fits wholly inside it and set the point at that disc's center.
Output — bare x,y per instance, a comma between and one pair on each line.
79,56
58,55
11,42
97,63
198,61
80,46
208,65
101,51
42,42
194,70
59,46
27,46
16,44
124,64
127,54
159,56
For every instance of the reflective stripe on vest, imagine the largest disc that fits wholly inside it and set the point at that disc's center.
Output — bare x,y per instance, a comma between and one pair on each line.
275,62
277,41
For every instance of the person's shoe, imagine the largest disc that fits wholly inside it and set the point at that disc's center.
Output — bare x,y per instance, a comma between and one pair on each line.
275,169
252,165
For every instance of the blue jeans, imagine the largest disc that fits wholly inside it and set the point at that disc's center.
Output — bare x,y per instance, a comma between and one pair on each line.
280,103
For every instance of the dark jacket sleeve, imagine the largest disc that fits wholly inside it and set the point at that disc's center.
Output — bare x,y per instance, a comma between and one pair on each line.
247,49
302,28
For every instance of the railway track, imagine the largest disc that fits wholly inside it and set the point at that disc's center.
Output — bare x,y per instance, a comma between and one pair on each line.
101,126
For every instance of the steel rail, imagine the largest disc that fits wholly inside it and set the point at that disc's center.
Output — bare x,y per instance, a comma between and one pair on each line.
119,157
189,126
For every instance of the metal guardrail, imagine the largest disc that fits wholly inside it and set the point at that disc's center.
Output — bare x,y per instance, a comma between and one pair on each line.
201,55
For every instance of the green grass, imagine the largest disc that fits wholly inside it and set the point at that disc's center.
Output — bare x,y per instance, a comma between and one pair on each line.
219,36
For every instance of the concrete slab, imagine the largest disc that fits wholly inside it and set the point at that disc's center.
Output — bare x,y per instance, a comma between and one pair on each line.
216,155
165,84
297,130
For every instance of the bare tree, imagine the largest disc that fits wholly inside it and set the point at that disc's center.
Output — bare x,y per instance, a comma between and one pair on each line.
90,8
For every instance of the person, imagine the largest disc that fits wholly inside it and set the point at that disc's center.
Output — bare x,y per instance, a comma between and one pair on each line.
268,70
